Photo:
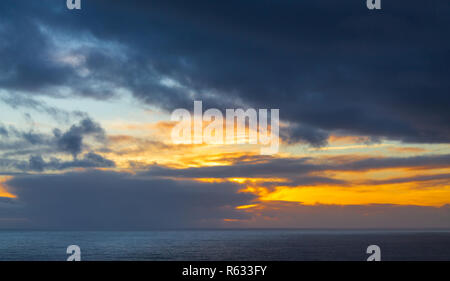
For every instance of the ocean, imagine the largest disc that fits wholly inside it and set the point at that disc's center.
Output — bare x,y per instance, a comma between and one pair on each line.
229,245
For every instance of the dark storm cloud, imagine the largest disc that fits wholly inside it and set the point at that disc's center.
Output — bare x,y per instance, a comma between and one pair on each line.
301,133
108,200
25,50
328,65
72,140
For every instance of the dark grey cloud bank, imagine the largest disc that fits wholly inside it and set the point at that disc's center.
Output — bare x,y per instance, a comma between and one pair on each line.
97,200
328,65
109,200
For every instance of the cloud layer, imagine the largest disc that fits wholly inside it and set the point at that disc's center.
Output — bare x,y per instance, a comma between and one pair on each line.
109,200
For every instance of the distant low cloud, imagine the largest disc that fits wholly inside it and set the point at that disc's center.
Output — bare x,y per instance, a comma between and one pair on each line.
109,200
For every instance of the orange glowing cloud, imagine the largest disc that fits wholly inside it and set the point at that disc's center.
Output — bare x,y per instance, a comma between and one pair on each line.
399,194
3,189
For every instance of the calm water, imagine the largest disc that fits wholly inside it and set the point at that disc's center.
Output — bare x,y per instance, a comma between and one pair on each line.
225,245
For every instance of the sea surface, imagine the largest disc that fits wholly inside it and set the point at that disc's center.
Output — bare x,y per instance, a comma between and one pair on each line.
231,245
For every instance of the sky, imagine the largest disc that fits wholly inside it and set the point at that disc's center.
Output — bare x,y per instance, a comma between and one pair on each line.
86,98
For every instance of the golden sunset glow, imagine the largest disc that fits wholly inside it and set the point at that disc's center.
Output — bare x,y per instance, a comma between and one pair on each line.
425,185
3,190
